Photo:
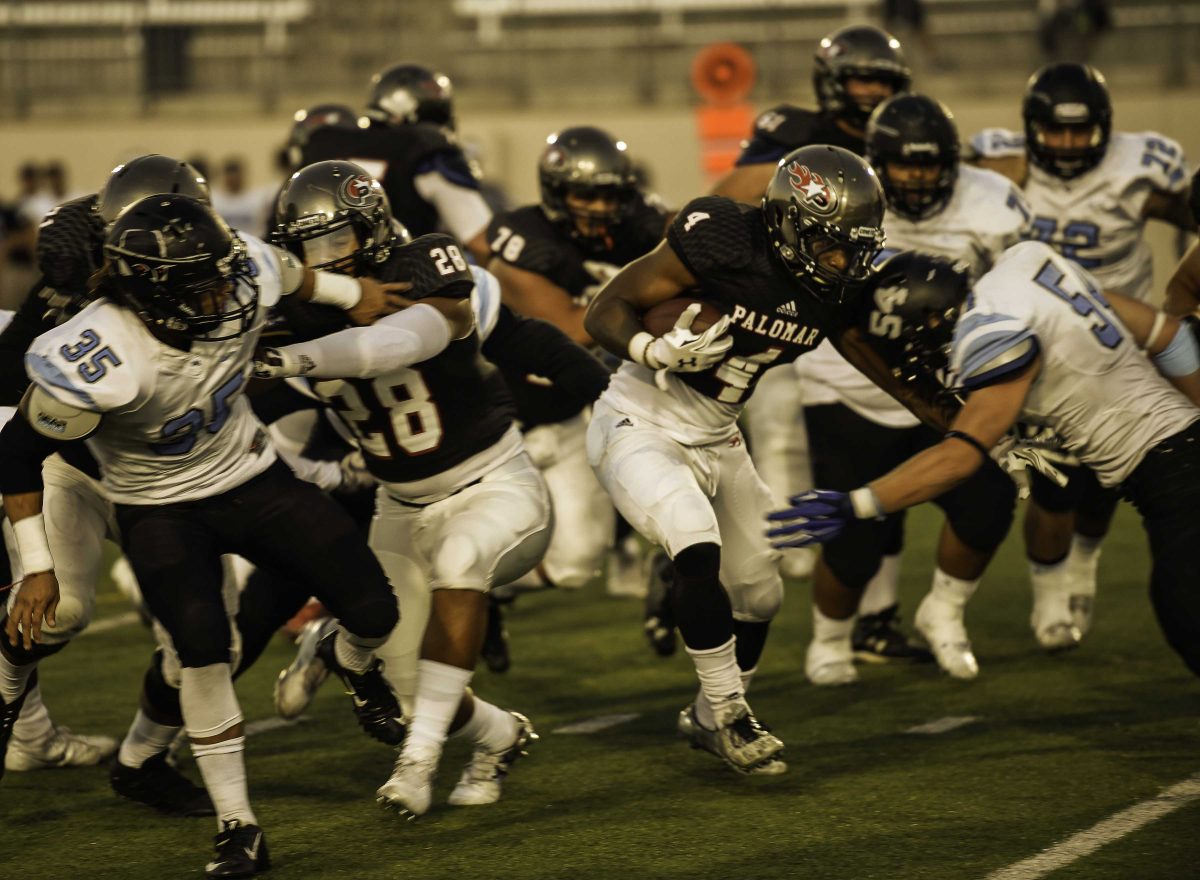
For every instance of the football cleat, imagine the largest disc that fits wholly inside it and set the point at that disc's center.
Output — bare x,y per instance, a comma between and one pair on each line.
495,638
482,777
61,748
241,851
798,562
156,784
659,622
700,737
1051,617
410,789
375,704
942,626
628,568
298,684
877,638
830,663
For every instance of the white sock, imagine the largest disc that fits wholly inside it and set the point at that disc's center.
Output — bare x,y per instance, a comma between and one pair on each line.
440,688
490,727
13,678
720,681
1084,559
704,712
145,739
747,676
33,725
951,590
210,709
881,590
828,629
354,653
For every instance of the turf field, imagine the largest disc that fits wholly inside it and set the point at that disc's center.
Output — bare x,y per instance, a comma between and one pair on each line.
1058,745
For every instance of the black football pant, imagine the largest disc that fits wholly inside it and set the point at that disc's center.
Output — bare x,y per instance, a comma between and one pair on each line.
849,451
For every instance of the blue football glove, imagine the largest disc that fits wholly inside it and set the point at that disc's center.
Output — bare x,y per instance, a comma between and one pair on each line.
814,518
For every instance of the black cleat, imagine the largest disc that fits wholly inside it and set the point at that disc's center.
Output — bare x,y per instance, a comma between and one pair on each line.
495,640
375,705
241,851
877,638
659,623
159,785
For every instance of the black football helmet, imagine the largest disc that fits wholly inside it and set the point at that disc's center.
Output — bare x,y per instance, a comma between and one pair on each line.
146,176
862,51
308,120
177,264
1067,96
335,216
914,130
825,201
407,93
589,164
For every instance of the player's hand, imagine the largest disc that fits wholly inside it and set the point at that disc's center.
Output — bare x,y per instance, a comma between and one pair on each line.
813,518
279,363
682,351
36,599
355,475
379,299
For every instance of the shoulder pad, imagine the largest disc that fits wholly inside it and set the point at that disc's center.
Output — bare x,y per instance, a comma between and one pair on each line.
525,239
485,301
52,418
94,361
435,266
996,203
1155,158
777,131
997,143
711,234
988,345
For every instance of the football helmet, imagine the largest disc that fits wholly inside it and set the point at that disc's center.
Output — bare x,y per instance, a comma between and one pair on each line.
407,93
824,214
861,51
309,119
1067,98
587,180
146,176
177,264
913,130
335,216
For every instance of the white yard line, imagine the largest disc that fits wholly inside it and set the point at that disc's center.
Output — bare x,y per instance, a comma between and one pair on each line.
944,725
595,725
1113,828
107,623
263,725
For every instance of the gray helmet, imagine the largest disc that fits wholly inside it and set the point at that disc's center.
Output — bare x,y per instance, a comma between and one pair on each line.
861,51
335,216
825,199
410,93
148,175
586,162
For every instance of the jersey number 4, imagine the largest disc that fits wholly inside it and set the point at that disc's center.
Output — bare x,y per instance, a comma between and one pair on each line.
410,420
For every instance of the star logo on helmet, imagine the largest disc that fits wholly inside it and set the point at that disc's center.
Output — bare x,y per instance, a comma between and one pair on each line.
357,191
816,195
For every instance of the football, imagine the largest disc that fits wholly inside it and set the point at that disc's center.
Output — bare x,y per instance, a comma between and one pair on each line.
662,317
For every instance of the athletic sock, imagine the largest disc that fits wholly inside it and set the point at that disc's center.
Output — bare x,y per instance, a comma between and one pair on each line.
210,709
14,679
489,727
440,689
720,683
951,590
145,739
829,629
354,653
33,724
882,589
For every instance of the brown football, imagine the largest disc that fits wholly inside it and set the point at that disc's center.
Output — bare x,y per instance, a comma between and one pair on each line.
660,318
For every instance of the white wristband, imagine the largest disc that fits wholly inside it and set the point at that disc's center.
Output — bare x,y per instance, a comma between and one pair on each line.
336,290
639,346
31,543
865,504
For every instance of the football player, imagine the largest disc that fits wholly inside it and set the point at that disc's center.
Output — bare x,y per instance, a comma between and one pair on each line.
857,431
460,506
1092,190
664,438
1037,341
410,147
151,373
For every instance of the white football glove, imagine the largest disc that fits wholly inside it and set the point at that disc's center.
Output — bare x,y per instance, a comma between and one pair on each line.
279,363
355,475
1017,459
679,350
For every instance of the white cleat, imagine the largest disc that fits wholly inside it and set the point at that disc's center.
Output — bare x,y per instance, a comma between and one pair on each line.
410,790
830,663
299,683
61,749
798,562
484,774
628,569
1051,618
942,626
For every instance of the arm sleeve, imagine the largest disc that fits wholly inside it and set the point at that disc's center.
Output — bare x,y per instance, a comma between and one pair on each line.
445,181
22,451
399,340
530,345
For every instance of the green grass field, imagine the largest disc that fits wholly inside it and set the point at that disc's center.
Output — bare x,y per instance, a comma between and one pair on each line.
1060,743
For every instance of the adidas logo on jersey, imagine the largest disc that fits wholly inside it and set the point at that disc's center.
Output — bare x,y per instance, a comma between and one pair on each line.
625,423
789,309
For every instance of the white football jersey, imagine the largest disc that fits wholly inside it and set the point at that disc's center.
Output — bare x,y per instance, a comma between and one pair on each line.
1096,218
985,216
1097,390
176,424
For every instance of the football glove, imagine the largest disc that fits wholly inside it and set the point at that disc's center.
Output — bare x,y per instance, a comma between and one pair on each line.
279,363
815,517
355,475
679,350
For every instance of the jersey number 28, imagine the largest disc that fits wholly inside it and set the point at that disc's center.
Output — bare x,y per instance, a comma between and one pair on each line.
390,412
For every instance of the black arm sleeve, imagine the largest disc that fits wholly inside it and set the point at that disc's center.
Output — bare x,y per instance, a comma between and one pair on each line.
22,451
529,345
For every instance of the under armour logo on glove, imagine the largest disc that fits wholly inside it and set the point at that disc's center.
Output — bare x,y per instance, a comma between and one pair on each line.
815,517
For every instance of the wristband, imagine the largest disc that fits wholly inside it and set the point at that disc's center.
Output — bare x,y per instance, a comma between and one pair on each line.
1181,357
967,438
336,290
866,504
639,346
30,533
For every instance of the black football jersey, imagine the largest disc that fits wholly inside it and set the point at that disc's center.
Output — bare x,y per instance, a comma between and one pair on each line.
395,155
415,422
782,129
775,318
528,239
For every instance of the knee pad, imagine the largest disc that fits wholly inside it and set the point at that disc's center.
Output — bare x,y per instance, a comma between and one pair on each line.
575,564
204,637
698,560
371,617
756,589
982,512
70,619
855,555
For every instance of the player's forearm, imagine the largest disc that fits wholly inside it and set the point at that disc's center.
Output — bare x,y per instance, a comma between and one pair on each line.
927,475
612,322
